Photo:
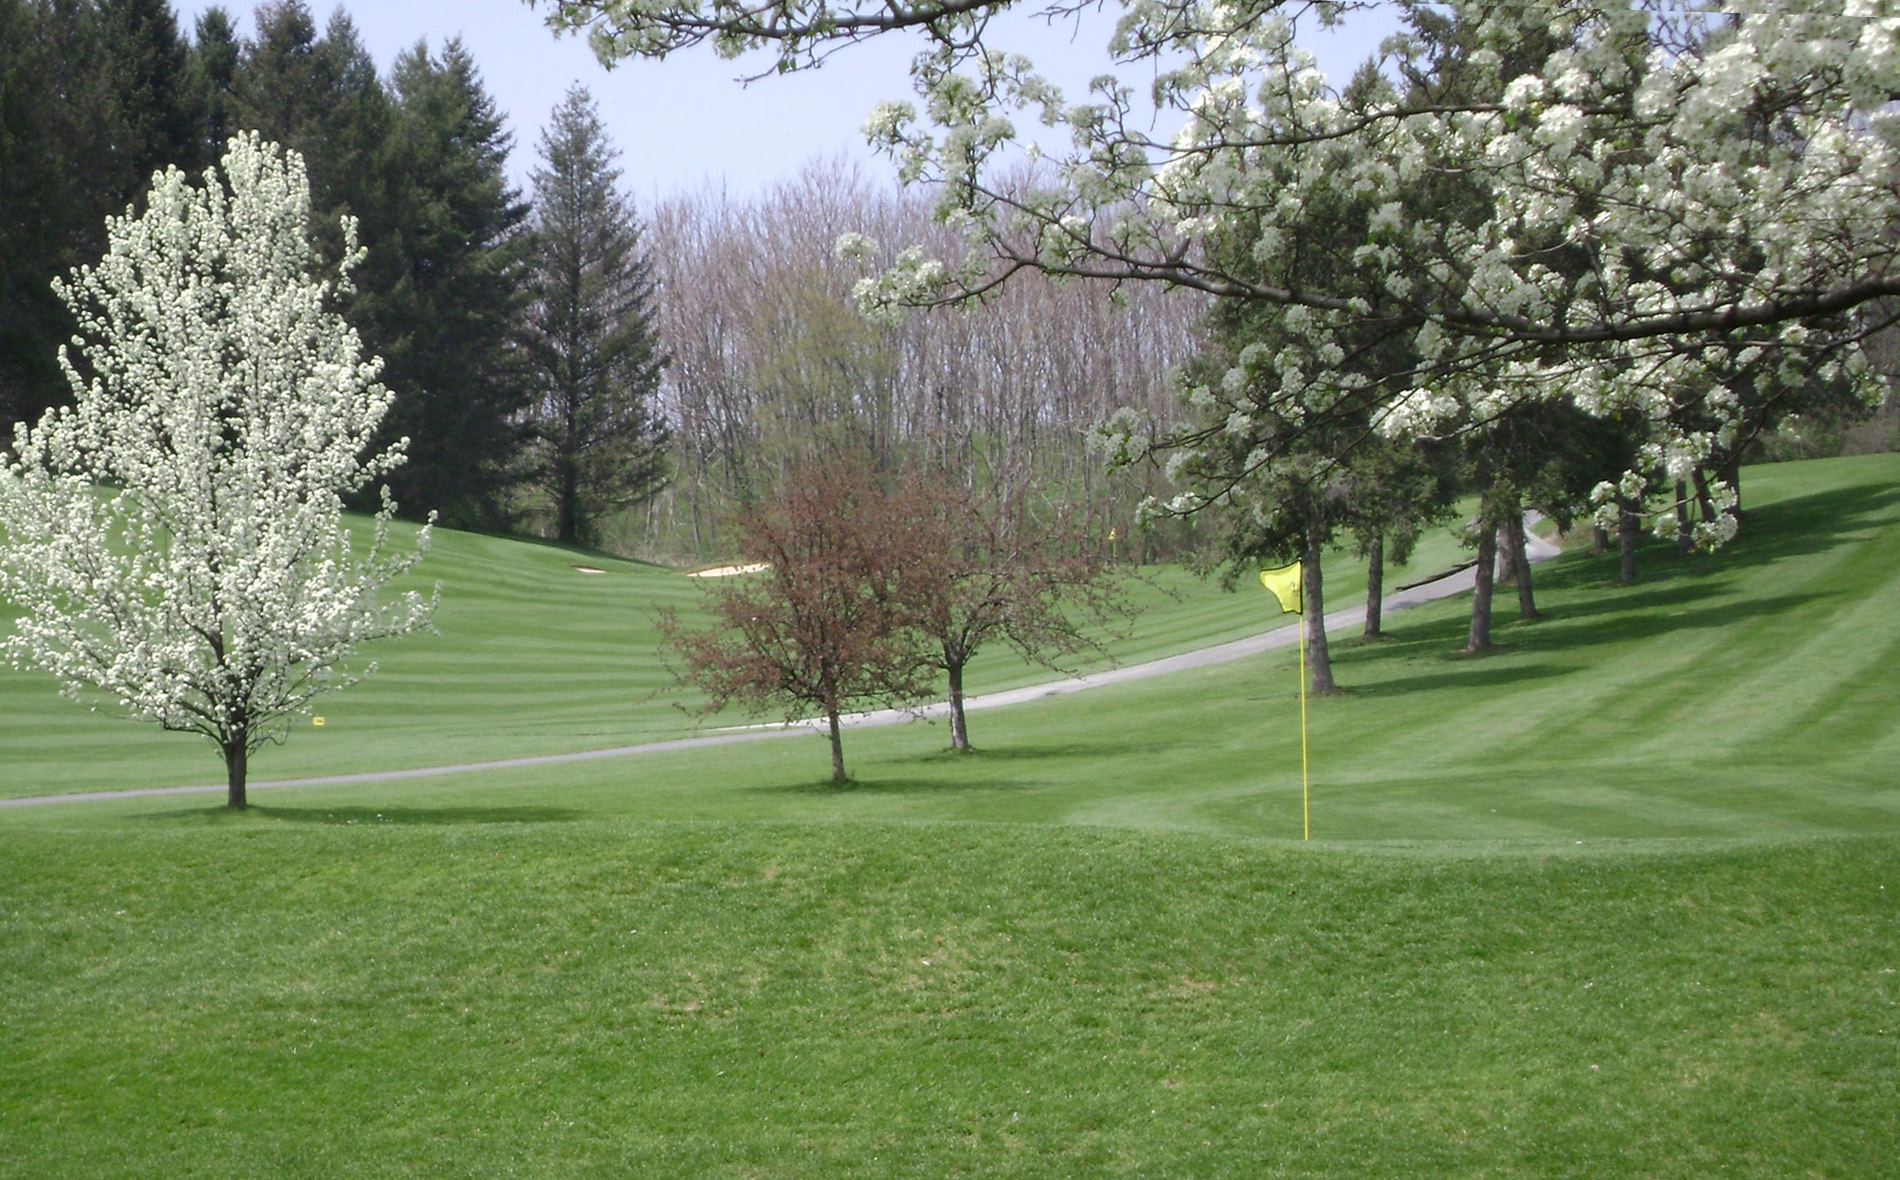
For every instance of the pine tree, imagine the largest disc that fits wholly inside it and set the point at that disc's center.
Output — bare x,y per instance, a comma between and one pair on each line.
32,237
92,100
591,337
447,299
321,97
215,53
152,120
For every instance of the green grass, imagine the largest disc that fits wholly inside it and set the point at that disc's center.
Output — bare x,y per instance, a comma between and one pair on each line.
508,994
1621,899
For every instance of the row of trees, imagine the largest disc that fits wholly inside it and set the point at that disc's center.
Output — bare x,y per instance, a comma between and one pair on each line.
864,585
515,333
771,362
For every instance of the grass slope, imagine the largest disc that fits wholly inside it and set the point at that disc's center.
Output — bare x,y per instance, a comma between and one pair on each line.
1622,899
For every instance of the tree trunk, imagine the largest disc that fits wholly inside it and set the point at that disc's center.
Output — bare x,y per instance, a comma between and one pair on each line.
1375,587
1627,525
1521,563
1599,540
1507,556
837,748
1685,539
1479,637
1319,664
959,729
237,757
1703,499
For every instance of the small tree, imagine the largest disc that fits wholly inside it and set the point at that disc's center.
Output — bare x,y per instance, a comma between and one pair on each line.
983,570
824,627
174,540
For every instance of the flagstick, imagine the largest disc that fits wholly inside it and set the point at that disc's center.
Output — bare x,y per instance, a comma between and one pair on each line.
1306,815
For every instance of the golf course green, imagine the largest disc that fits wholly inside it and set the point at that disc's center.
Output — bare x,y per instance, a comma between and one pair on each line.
1620,898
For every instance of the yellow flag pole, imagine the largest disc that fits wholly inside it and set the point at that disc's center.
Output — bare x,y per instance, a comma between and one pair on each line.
1306,814
1288,584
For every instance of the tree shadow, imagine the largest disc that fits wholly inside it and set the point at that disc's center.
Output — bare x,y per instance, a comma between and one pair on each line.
1586,627
825,788
1799,526
1675,592
1456,672
368,816
1034,752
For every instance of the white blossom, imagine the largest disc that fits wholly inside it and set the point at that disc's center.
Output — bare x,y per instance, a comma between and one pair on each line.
174,540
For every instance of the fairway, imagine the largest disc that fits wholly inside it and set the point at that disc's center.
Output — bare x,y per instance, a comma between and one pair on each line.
1619,899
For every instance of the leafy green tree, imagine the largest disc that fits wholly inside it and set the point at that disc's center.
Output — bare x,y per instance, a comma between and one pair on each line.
591,341
1399,489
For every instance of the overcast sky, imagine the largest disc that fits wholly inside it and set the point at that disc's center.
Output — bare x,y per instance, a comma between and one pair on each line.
685,122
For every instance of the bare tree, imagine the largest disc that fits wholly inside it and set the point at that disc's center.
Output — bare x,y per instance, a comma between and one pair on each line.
986,568
757,318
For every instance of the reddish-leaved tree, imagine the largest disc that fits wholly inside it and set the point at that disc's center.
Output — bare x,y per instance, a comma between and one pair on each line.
825,626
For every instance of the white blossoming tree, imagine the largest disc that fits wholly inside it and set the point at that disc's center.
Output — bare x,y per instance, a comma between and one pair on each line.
174,540
1666,212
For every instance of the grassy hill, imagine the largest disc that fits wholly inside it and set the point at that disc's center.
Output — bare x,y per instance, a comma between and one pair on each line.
1622,899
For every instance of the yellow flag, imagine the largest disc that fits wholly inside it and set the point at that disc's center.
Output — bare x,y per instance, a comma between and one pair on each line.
1285,584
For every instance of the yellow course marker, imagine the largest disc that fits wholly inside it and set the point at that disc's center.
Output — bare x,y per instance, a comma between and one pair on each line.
1286,585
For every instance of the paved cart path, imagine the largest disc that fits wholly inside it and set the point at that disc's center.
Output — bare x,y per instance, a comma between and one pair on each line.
1285,636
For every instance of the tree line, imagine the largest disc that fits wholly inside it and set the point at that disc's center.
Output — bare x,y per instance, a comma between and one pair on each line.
771,363
513,327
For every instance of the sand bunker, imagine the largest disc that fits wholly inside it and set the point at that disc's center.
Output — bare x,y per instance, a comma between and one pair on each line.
727,571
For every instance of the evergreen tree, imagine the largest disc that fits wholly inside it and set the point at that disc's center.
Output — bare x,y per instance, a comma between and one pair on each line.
448,294
215,53
151,119
592,343
32,243
77,143
320,96
275,91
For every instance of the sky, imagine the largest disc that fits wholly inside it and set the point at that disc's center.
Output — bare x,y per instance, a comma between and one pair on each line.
686,123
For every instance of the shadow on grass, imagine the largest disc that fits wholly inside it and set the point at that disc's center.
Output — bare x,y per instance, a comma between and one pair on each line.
895,786
1799,526
1586,607
1032,752
1459,671
407,816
